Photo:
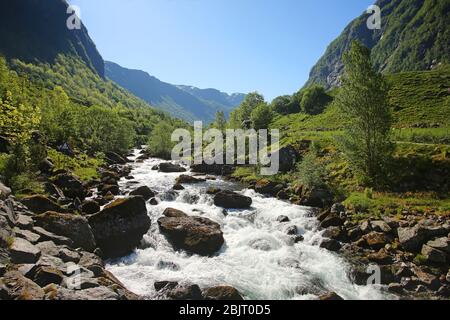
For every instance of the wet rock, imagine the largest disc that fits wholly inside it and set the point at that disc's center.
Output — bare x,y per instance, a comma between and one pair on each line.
194,234
268,187
89,207
298,238
14,286
213,191
167,265
283,195
354,234
331,245
114,158
22,251
73,227
70,185
216,169
178,187
336,233
118,229
47,275
144,192
186,179
331,221
168,167
153,202
433,255
105,189
232,200
39,204
165,285
170,195
185,292
226,293
331,296
174,213
292,230
396,288
283,219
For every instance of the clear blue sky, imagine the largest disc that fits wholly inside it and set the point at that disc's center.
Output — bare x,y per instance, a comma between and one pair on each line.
232,45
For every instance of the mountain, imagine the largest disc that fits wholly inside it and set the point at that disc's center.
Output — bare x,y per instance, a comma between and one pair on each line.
414,37
35,31
188,103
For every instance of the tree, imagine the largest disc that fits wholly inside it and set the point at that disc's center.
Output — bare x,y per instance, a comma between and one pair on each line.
363,100
285,105
314,100
251,101
221,121
261,117
160,144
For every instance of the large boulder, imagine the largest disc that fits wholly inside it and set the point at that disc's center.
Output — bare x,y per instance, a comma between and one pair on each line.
71,226
265,186
23,252
317,198
194,234
89,207
4,191
144,192
70,185
14,286
120,226
226,293
412,239
232,200
168,167
114,158
39,204
186,179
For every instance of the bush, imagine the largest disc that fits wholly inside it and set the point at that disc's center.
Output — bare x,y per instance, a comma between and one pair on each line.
159,142
311,172
358,202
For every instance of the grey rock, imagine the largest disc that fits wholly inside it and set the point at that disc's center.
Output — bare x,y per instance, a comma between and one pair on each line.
27,235
67,255
433,255
380,226
22,251
5,192
48,236
442,244
24,222
331,245
49,248
331,221
14,286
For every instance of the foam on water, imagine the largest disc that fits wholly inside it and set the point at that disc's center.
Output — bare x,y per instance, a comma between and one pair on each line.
258,258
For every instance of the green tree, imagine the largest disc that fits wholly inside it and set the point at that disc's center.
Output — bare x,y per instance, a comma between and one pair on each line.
285,105
363,99
251,101
159,142
221,121
314,100
261,117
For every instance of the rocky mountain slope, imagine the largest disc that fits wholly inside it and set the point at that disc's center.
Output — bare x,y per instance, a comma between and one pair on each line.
188,103
414,37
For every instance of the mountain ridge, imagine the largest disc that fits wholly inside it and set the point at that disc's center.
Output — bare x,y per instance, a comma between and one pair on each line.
186,102
414,37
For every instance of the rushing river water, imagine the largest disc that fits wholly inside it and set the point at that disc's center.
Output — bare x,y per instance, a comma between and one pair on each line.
258,258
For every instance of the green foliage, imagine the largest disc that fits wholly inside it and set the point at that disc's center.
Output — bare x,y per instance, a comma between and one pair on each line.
221,121
83,166
285,105
314,100
251,101
363,100
159,143
261,117
311,172
358,202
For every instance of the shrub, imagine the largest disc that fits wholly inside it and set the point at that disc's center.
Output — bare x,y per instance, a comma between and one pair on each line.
311,172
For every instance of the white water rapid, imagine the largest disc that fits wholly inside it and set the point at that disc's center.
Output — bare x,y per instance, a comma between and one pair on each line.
258,258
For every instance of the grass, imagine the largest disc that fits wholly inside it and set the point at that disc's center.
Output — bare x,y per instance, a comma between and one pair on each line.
86,168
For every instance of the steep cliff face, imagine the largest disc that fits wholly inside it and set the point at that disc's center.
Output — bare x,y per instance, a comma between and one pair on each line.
415,36
36,31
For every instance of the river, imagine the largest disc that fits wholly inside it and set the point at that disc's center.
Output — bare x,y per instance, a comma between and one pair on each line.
259,258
